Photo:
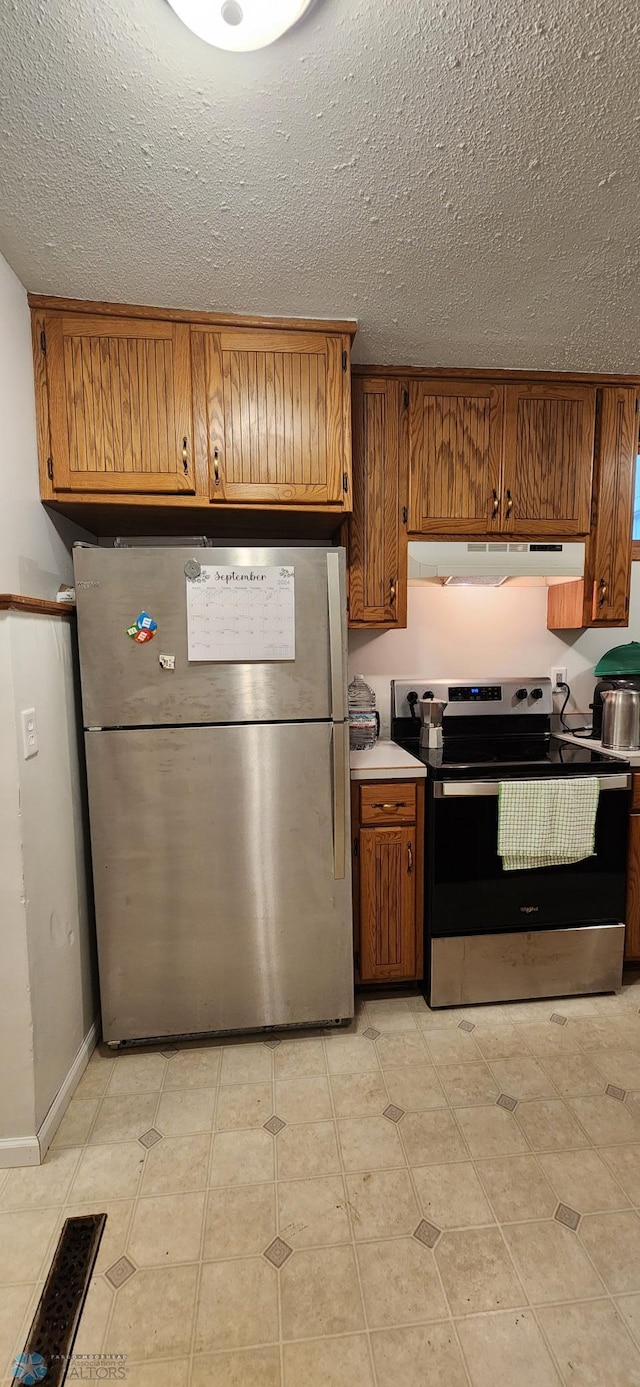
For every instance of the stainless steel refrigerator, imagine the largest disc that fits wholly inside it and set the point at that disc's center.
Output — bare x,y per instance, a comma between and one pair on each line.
218,798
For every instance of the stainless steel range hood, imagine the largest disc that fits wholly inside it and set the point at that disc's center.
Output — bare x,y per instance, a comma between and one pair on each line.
492,563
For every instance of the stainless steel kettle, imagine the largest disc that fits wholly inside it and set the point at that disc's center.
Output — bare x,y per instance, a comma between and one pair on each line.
621,719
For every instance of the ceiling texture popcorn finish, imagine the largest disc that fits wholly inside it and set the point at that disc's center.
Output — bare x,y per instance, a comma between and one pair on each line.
461,176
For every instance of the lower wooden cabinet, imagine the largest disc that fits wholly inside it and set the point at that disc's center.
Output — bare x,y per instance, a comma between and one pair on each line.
388,879
632,932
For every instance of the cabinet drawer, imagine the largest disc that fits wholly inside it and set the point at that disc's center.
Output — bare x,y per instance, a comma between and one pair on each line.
387,803
635,792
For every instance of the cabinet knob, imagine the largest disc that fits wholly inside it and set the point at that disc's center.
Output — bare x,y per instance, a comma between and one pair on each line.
185,454
603,590
216,469
409,858
509,507
392,591
496,503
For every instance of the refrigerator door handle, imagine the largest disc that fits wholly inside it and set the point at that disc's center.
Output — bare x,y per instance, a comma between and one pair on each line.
336,652
339,739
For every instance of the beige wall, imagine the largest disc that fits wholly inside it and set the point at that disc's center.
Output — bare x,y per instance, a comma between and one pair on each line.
471,632
45,932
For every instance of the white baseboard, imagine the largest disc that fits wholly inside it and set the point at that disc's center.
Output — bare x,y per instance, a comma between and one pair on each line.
31,1150
19,1151
65,1093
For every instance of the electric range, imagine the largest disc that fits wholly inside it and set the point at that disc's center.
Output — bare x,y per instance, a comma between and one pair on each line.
496,935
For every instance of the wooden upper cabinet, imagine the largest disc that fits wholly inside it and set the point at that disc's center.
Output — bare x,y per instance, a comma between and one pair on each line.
377,537
455,447
548,453
608,557
601,598
272,415
119,401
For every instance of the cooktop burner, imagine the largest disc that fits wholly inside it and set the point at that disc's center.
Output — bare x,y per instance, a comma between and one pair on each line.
511,759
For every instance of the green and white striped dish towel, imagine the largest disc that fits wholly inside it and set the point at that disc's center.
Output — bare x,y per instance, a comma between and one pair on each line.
545,823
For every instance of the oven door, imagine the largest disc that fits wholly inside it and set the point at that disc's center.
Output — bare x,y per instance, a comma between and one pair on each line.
467,891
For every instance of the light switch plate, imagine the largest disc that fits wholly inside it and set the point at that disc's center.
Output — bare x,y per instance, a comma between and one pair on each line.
29,733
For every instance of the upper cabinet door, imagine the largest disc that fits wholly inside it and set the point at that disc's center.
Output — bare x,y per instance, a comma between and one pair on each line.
377,537
548,454
273,415
608,558
455,441
119,404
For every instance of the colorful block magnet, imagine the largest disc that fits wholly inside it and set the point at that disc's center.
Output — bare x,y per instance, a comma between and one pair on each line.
142,636
132,631
144,622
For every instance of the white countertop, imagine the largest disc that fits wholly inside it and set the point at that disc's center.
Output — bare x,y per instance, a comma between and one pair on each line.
632,756
386,761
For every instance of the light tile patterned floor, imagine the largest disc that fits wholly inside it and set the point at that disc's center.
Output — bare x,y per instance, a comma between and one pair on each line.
438,1199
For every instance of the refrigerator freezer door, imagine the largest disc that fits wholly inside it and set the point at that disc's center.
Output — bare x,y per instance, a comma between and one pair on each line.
218,903
124,683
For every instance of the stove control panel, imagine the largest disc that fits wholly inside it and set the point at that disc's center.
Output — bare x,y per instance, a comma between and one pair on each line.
474,697
475,693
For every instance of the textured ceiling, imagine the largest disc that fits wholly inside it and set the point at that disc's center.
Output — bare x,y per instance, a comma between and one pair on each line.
460,175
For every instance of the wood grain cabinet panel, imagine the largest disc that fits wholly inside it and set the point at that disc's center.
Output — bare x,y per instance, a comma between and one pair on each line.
273,415
377,530
455,434
548,456
608,557
387,903
601,598
384,803
388,885
119,396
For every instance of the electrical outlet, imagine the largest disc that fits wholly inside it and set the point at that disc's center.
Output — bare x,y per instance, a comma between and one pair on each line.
558,677
29,733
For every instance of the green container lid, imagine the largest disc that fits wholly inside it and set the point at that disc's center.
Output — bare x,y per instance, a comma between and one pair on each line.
621,659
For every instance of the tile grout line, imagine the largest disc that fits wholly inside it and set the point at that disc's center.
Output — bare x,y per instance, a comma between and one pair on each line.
276,1211
436,1266
354,1250
203,1227
114,1290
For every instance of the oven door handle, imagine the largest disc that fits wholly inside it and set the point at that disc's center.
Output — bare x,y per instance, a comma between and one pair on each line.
467,789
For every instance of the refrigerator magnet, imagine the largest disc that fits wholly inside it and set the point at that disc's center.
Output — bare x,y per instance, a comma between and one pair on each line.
144,622
167,661
143,636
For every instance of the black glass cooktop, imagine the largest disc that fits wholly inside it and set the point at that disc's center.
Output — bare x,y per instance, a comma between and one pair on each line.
509,758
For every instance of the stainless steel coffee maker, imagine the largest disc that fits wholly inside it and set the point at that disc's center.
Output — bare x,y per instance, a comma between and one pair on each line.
431,711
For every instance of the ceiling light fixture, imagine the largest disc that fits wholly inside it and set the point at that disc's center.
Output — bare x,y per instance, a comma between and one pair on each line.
240,25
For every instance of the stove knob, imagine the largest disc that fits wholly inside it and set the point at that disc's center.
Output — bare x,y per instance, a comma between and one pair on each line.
429,694
537,693
412,699
520,694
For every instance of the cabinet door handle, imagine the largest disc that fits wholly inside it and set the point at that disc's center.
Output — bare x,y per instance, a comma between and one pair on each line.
185,454
216,469
409,858
392,591
398,804
604,588
509,504
496,503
